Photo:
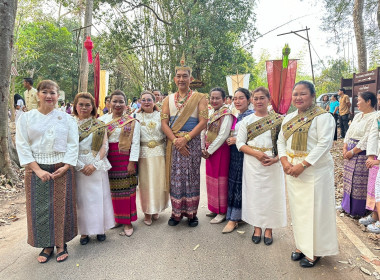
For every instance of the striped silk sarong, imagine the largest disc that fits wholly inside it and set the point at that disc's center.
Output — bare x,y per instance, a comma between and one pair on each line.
50,208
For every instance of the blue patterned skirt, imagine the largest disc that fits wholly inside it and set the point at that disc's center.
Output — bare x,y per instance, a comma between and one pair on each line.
235,177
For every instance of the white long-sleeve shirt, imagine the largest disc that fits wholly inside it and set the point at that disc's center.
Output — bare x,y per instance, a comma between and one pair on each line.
373,141
114,138
47,139
359,129
319,140
224,132
264,140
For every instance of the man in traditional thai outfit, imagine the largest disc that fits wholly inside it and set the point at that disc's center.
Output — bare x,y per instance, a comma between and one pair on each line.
184,115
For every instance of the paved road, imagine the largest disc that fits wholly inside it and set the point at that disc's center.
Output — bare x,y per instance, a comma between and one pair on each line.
163,252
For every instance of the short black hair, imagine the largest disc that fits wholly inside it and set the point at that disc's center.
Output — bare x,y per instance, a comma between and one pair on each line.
29,80
335,96
307,84
343,90
221,90
368,95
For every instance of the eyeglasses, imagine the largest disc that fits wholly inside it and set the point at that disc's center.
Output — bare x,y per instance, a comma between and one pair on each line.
147,100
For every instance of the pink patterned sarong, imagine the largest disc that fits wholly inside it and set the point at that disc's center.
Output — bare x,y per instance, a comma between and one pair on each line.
217,166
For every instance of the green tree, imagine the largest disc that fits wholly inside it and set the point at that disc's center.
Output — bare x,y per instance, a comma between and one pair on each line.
47,52
329,80
156,33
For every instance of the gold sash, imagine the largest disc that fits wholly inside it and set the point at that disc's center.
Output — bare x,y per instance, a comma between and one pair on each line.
126,135
178,124
271,122
299,128
214,124
98,133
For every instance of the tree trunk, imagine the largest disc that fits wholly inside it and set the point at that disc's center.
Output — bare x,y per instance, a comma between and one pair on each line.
84,66
8,10
378,14
359,35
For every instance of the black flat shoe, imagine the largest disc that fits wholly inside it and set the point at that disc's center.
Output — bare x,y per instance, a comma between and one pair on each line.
256,239
193,222
101,237
306,263
268,241
172,222
296,256
84,241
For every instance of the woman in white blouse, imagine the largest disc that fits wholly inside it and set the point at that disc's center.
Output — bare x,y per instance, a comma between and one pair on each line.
94,205
263,193
47,145
217,154
154,197
304,144
124,146
355,174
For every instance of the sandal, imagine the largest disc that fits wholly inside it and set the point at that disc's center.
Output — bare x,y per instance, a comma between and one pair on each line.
62,253
45,255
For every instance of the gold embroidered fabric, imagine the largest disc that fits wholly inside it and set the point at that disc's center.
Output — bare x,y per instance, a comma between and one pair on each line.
215,122
203,114
164,116
127,125
299,128
271,122
96,127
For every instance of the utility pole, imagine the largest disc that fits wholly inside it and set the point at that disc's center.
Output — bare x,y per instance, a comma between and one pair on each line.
84,67
308,41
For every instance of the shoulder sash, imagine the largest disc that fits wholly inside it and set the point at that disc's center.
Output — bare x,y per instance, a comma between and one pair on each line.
299,126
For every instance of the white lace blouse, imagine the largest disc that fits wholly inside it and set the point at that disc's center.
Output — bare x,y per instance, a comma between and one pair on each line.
114,138
150,129
47,139
359,129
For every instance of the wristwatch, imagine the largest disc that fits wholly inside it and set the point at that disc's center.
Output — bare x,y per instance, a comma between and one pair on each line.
303,165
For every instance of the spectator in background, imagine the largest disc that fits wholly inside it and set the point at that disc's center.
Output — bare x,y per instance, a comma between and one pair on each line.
107,105
344,111
134,105
68,108
19,105
31,99
325,103
334,110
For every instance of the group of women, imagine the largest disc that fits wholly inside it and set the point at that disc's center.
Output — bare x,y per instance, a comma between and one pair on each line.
81,172
267,149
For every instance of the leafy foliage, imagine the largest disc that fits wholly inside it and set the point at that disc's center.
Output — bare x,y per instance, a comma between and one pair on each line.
47,52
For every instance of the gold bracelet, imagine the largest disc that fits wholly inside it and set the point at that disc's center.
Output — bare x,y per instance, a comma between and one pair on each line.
174,140
188,137
204,114
164,116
